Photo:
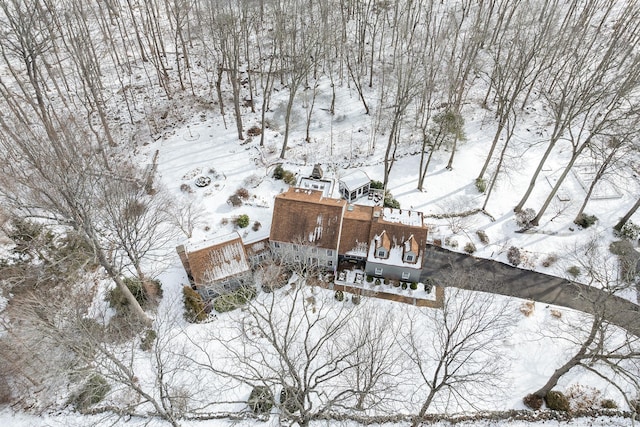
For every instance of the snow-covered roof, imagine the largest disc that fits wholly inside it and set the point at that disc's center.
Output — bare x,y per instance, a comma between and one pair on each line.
395,258
402,216
219,261
355,180
323,185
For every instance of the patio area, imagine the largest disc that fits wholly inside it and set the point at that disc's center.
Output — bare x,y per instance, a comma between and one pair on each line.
356,281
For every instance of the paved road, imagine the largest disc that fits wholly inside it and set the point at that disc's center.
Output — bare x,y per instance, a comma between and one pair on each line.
503,279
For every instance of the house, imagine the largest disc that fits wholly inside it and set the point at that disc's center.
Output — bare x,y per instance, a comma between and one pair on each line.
354,185
218,268
306,228
397,242
310,229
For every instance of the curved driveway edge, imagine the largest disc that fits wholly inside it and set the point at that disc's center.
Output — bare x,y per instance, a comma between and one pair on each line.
503,279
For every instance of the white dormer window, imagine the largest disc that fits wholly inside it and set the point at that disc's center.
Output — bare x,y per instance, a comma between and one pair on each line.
409,258
381,253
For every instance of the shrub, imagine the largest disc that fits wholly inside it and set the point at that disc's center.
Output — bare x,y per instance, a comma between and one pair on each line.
376,185
413,285
291,400
513,255
527,308
117,299
186,188
254,131
146,343
557,401
390,202
429,284
574,271
289,178
235,299
481,185
355,299
532,401
369,279
91,393
278,172
583,398
242,221
234,200
243,193
469,248
586,221
609,404
621,248
339,295
549,260
629,231
482,235
194,310
377,281
404,285
450,241
524,217
261,400
256,226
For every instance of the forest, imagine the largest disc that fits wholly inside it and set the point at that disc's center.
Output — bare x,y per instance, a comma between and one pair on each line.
87,86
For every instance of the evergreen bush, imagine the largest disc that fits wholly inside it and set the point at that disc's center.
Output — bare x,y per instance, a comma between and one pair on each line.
194,308
376,185
481,185
242,221
235,299
469,248
629,231
91,393
413,286
261,400
339,295
586,221
574,271
291,400
557,401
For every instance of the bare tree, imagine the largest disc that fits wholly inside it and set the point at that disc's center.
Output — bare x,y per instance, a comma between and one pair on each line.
598,346
299,342
459,359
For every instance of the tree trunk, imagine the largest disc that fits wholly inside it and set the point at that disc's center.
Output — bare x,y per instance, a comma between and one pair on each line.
625,218
567,169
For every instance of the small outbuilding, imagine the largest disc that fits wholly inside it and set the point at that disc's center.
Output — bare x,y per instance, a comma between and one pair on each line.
355,185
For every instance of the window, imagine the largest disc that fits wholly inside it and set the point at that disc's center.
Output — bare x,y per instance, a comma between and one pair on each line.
405,275
276,245
295,248
382,253
378,271
330,263
409,258
296,258
314,250
329,252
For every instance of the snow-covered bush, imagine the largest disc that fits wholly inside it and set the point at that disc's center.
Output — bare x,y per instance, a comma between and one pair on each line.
629,231
514,257
469,248
482,235
549,260
574,271
339,295
524,217
91,393
532,401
